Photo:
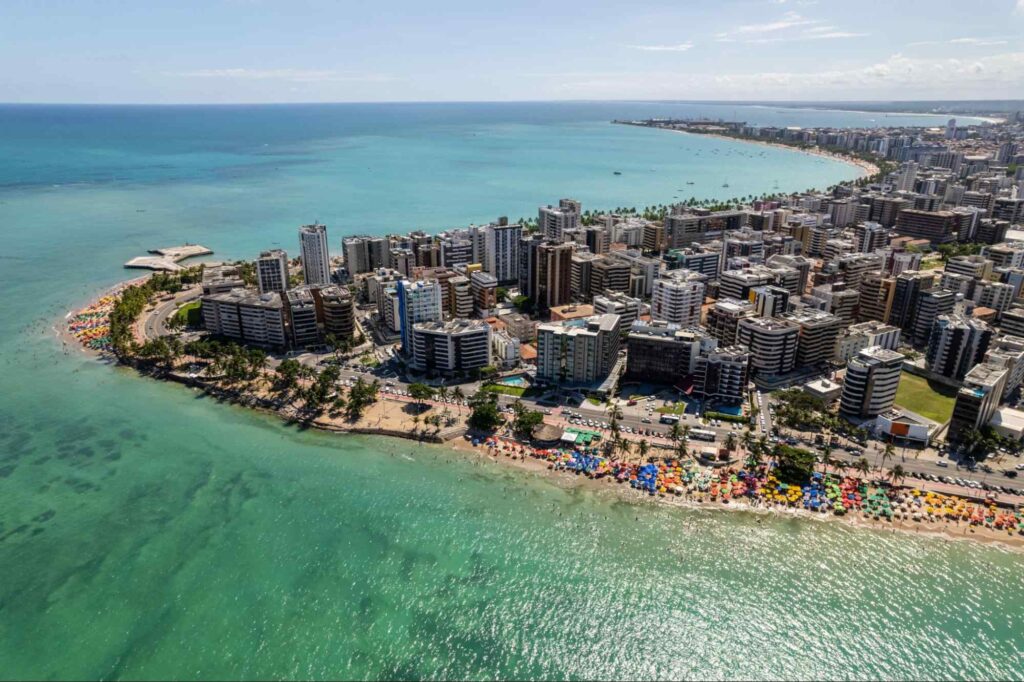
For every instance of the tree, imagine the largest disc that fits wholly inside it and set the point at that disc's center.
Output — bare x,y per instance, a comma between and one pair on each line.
420,393
747,439
287,375
484,414
642,448
730,442
862,466
897,474
457,394
525,420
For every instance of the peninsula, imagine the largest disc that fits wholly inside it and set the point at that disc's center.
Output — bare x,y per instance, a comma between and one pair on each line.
856,351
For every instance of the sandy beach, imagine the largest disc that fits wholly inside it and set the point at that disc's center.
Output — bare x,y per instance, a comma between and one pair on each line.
865,168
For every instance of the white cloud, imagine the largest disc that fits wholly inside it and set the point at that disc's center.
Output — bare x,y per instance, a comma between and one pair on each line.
681,47
809,29
980,42
291,75
977,41
1019,9
788,20
897,77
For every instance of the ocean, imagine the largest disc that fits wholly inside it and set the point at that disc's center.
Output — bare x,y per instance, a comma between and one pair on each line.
149,532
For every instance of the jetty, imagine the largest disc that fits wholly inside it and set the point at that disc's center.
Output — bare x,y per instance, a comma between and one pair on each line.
167,259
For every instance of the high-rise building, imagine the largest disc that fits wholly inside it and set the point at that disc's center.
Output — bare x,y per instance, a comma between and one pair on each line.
957,343
608,274
254,319
870,236
772,343
272,271
722,375
724,318
337,310
930,305
663,353
551,272
449,347
626,307
301,318
460,296
975,267
1008,351
876,292
865,335
677,297
769,301
484,286
937,227
553,221
316,260
998,296
581,351
977,400
908,288
872,379
501,257
418,301
818,333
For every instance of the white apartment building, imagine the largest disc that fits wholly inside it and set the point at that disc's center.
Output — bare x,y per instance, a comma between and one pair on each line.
316,260
677,297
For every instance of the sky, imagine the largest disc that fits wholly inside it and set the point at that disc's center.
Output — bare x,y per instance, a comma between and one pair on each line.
240,51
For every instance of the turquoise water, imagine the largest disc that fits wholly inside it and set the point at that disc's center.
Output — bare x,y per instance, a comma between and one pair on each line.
514,381
148,532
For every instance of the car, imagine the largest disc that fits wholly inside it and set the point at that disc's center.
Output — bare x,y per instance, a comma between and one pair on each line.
942,464
645,420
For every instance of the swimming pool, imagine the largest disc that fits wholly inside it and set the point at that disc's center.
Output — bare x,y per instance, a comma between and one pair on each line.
517,381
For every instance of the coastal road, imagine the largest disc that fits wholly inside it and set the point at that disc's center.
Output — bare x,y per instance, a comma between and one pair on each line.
154,323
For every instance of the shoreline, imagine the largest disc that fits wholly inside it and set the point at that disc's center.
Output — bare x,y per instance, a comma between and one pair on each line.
864,168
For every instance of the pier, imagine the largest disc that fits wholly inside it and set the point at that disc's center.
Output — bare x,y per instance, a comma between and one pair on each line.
167,259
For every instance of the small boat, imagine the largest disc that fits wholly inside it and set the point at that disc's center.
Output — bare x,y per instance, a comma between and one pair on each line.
617,173
689,182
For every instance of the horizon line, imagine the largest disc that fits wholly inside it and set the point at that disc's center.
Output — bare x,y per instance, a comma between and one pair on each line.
736,102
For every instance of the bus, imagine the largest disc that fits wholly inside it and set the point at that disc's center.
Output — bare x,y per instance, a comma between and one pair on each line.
701,434
669,419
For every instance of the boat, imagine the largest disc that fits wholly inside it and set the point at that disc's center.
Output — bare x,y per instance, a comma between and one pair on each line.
689,182
725,184
617,173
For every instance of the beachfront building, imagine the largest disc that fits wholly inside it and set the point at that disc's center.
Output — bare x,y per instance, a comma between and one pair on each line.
272,271
505,349
451,347
418,302
663,353
722,375
316,261
977,400
301,316
872,378
247,317
580,351
724,317
337,309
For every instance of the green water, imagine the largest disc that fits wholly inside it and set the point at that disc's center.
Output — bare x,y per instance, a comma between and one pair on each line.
148,532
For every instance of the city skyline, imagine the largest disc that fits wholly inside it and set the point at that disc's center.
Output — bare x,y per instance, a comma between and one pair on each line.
311,51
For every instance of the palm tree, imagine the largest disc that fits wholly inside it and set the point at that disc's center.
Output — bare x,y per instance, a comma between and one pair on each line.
862,466
642,448
747,439
730,442
887,453
673,433
616,412
897,474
